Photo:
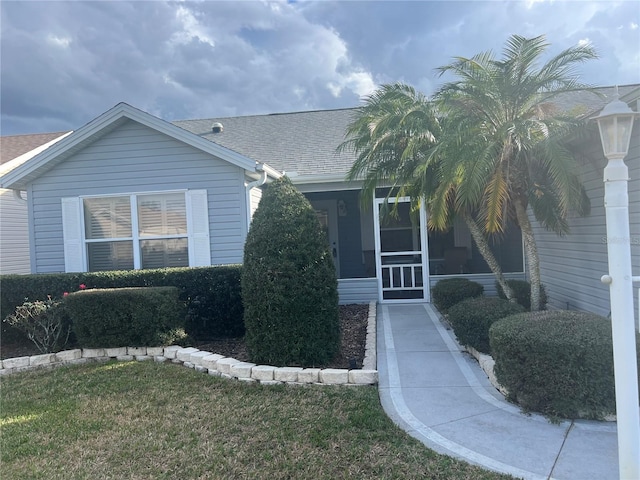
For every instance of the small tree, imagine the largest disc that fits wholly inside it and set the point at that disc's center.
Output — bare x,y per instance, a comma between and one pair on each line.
46,323
289,285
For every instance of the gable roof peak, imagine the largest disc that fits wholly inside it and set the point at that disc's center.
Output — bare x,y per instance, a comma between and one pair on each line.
105,123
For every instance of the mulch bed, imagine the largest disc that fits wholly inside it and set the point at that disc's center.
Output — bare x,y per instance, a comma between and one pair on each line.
353,328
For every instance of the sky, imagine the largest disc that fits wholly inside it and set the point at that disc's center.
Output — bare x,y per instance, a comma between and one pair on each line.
63,63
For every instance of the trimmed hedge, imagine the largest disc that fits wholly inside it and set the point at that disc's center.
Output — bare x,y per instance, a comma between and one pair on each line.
522,291
472,318
212,294
116,317
449,291
559,363
289,285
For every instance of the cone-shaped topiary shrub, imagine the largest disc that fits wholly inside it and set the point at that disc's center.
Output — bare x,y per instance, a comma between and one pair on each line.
472,318
289,285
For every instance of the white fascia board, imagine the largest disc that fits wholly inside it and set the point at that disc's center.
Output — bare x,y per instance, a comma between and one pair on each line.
19,160
631,96
327,178
270,171
109,118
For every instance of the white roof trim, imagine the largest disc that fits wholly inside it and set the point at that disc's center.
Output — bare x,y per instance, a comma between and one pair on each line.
270,171
324,178
33,167
19,160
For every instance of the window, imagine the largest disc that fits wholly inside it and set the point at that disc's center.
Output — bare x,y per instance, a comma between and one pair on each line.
136,231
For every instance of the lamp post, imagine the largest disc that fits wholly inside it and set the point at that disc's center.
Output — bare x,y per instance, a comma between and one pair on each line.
615,123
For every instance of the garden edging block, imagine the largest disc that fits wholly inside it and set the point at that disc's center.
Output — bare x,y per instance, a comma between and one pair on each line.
116,352
184,354
242,370
212,363
93,352
196,357
263,373
16,362
44,359
170,352
287,374
334,376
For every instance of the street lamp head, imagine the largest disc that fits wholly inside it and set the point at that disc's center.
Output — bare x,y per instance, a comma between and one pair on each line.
615,123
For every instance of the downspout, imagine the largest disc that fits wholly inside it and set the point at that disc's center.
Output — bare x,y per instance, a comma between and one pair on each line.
249,186
18,197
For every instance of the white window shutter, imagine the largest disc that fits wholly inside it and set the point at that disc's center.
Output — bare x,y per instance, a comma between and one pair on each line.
198,218
72,235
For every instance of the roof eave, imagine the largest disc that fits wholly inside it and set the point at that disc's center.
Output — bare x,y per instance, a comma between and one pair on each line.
34,167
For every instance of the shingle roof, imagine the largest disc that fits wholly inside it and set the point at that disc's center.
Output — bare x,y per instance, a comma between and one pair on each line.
589,102
306,142
15,145
302,142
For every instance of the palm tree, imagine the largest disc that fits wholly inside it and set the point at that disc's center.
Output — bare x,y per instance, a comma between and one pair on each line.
393,136
502,149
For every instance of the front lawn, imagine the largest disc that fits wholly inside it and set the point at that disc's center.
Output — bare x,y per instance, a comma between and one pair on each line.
149,421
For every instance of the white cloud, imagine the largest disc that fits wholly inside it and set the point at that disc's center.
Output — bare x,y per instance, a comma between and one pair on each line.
584,42
63,42
191,29
198,59
359,82
531,3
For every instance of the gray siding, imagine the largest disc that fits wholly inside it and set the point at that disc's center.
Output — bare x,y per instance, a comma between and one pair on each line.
571,266
133,159
357,290
14,235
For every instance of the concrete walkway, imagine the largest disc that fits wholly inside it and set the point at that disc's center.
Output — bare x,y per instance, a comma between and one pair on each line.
436,392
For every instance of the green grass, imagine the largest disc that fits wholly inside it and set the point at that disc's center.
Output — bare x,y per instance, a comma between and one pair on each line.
142,420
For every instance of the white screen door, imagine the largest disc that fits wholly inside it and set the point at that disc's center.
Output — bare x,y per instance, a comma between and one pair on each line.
401,251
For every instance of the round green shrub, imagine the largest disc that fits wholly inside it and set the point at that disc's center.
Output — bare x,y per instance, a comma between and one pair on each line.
472,318
289,286
449,291
559,363
522,291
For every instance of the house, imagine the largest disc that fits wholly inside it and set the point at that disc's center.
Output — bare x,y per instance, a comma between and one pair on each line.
571,266
129,190
14,229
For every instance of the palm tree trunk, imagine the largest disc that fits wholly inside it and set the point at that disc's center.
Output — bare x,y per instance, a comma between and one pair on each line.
487,254
531,254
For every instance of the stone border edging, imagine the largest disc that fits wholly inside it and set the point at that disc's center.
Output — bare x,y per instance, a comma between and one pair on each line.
487,363
211,363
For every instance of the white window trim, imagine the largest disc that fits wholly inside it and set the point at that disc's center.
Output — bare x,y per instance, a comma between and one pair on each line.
74,233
